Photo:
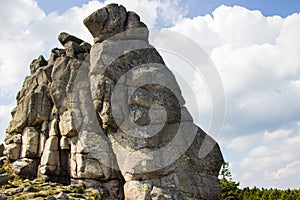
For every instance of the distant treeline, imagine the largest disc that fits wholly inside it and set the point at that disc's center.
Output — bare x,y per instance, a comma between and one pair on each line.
231,191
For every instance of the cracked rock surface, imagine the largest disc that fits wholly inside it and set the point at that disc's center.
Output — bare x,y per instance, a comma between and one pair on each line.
110,117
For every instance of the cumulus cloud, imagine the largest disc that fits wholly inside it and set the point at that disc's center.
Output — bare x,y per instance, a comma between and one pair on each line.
258,60
235,25
15,16
292,170
272,161
243,142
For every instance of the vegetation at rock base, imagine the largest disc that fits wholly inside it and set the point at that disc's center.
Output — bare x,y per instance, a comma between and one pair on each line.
231,191
229,187
18,188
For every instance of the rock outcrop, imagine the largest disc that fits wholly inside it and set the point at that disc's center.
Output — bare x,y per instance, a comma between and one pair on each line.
111,116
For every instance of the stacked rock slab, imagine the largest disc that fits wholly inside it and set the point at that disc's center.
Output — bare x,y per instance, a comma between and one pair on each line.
42,139
111,116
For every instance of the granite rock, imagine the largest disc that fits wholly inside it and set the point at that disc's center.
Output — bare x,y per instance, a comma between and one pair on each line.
111,116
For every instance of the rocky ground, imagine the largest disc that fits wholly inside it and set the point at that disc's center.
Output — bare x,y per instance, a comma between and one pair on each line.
13,187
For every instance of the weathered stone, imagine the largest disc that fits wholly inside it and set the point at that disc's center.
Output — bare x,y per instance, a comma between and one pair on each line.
37,63
63,76
114,189
34,106
66,37
2,148
87,183
48,172
42,142
105,158
96,21
52,143
53,127
56,53
50,197
88,168
3,160
43,107
50,160
30,189
160,194
26,168
62,196
45,127
64,143
73,49
30,143
73,165
86,47
111,116
60,77
137,190
28,196
114,19
133,21
13,138
67,124
4,178
12,151
14,191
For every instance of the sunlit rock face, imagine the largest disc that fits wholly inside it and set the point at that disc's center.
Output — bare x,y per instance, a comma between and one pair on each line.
111,116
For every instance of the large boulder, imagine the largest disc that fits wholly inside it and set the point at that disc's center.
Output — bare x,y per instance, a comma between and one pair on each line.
111,116
114,19
26,168
30,143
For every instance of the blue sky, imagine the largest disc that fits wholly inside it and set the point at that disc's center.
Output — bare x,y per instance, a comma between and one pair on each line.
267,7
255,52
197,7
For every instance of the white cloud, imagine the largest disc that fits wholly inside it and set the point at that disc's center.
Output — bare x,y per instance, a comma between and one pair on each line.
15,16
276,136
243,142
258,60
5,116
292,170
236,25
274,157
242,27
285,177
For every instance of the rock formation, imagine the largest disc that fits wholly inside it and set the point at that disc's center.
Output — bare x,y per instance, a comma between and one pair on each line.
111,116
